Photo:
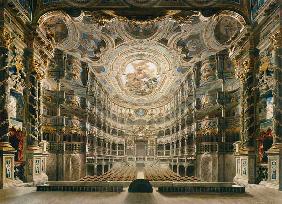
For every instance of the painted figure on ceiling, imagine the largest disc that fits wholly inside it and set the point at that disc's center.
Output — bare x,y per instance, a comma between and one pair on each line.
141,77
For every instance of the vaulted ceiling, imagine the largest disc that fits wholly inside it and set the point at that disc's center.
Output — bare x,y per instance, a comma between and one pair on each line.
141,62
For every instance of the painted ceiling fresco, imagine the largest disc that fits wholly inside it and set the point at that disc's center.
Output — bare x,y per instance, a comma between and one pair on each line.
140,77
141,63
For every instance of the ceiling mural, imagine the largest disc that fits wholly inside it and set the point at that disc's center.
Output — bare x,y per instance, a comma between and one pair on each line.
141,63
90,46
140,77
226,28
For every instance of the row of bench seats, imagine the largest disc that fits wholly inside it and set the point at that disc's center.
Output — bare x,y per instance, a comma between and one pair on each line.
122,173
158,173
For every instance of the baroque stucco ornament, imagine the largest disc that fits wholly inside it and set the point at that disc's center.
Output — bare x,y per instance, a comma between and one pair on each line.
167,48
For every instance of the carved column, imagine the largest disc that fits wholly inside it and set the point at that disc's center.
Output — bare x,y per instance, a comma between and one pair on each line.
31,93
4,97
275,152
35,156
277,92
245,151
6,150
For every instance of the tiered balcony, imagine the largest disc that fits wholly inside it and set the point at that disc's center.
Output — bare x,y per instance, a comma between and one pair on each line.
63,122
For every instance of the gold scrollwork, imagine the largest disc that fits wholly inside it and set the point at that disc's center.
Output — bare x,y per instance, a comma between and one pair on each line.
265,63
242,71
38,68
276,39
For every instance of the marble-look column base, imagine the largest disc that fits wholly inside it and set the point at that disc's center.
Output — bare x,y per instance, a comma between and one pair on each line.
36,165
245,159
7,163
275,166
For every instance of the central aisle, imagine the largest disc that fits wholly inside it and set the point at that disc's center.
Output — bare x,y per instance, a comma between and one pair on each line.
140,170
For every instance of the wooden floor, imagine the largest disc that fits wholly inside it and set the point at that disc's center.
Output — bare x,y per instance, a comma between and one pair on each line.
255,195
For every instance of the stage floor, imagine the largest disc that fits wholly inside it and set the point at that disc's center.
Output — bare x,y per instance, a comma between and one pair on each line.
28,195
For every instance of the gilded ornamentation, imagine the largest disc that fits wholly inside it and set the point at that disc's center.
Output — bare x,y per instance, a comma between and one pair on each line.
17,82
16,58
38,68
264,63
19,62
276,40
75,101
242,71
8,38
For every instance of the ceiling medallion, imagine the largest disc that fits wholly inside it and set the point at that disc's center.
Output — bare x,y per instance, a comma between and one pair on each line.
142,3
199,3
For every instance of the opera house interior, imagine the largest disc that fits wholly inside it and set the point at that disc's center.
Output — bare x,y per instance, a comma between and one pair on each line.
140,101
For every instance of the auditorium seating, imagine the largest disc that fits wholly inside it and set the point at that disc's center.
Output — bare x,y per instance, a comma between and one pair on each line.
158,173
125,172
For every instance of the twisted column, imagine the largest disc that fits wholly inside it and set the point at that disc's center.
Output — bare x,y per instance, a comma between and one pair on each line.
249,95
245,151
31,93
250,101
4,96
